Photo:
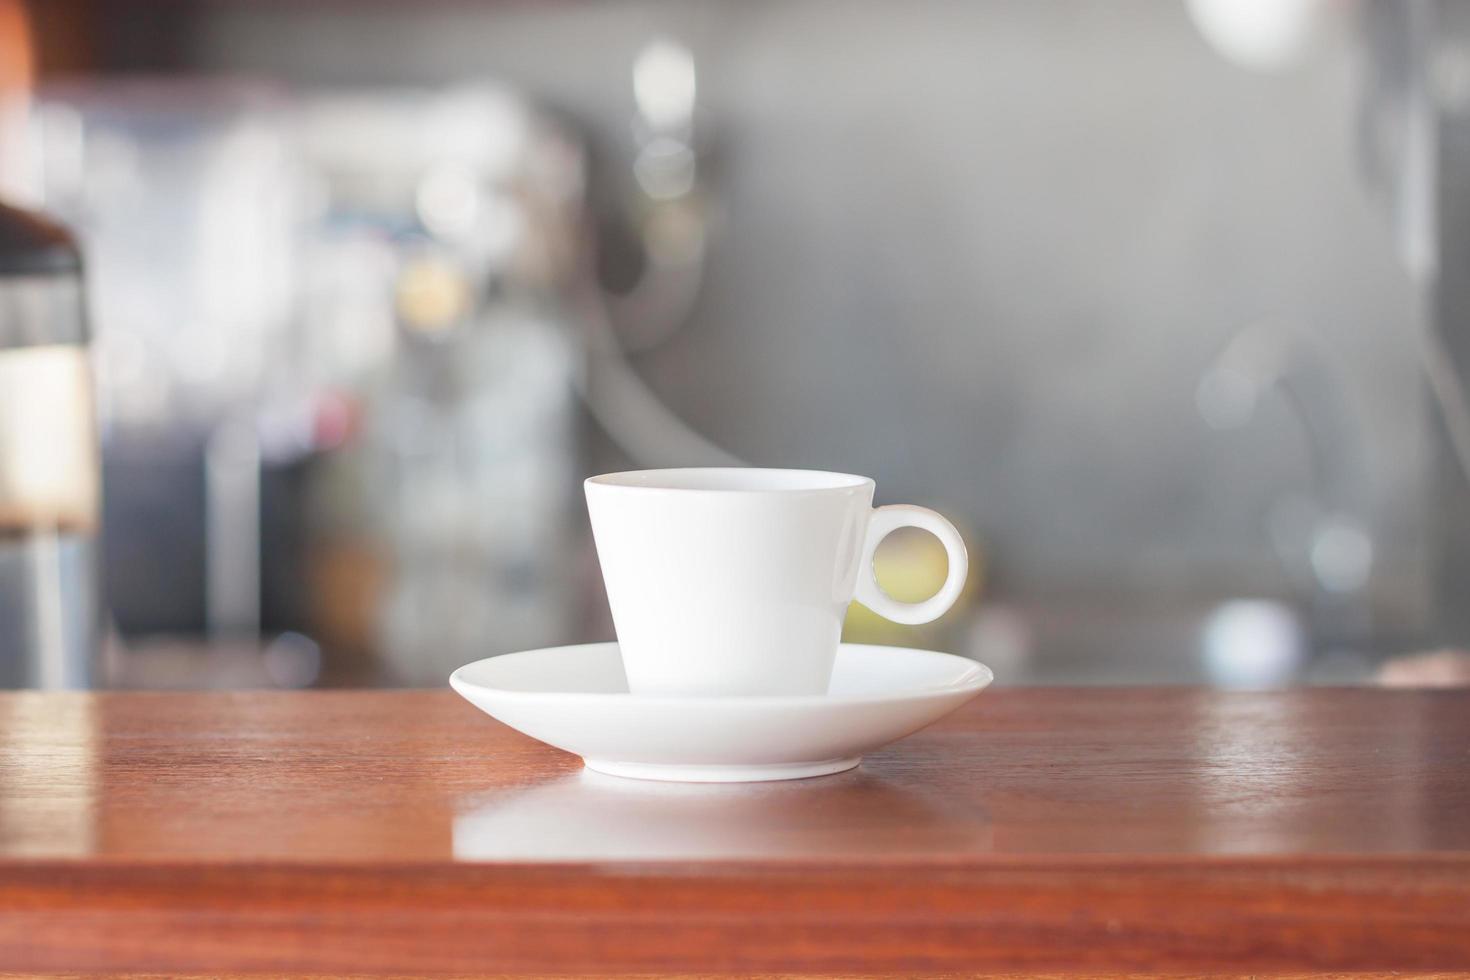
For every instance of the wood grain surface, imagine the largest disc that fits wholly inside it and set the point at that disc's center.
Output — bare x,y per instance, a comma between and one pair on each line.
1035,831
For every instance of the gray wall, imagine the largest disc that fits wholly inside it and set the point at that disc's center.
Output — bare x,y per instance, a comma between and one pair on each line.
983,252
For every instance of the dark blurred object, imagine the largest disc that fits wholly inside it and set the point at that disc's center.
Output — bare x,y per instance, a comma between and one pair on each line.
153,515
1440,89
75,36
48,461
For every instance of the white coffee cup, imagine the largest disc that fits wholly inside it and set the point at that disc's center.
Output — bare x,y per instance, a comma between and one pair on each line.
732,581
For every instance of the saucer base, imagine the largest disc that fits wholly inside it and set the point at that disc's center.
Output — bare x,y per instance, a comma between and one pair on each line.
720,774
576,699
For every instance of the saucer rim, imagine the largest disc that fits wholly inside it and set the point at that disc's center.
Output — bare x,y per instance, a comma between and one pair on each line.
979,678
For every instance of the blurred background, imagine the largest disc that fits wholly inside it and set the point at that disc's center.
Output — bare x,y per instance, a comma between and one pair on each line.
1159,300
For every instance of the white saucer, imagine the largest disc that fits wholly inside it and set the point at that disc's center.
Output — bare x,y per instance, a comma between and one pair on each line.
576,698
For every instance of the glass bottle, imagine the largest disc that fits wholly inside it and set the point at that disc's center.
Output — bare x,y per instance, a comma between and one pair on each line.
49,461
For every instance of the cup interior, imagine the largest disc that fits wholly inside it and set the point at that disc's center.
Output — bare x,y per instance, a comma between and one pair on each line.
730,479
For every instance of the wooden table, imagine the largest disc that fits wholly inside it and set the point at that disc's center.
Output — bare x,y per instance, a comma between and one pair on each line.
1036,830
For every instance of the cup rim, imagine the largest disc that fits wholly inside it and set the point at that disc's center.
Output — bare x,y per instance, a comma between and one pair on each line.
747,480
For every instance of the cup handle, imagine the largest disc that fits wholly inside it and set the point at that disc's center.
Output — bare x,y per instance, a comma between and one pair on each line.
886,520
